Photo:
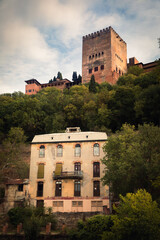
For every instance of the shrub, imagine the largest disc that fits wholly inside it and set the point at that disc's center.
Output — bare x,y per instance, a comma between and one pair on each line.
32,227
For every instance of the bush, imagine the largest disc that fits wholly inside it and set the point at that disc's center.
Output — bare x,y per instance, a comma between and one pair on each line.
18,215
32,227
92,228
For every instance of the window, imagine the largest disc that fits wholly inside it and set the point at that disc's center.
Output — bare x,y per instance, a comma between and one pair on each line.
77,152
59,151
40,173
96,150
57,203
89,57
20,187
102,53
40,189
96,169
77,203
58,191
96,204
30,90
93,56
96,69
40,203
42,151
77,166
96,188
96,55
102,67
90,70
77,189
99,54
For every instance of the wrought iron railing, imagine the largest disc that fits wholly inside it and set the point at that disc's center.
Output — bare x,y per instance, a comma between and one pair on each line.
71,174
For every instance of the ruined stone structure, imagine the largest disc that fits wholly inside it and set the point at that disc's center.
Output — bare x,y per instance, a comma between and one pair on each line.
104,54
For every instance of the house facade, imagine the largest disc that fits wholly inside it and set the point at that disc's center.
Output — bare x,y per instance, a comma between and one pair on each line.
66,171
16,193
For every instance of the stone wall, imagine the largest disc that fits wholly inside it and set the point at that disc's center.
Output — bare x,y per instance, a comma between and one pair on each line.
70,220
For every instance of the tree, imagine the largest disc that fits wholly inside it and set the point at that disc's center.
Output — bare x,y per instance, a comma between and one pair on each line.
135,70
74,76
59,75
137,217
92,84
54,79
132,159
79,78
11,164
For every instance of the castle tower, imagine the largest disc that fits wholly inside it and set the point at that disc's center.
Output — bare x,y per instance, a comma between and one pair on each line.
104,54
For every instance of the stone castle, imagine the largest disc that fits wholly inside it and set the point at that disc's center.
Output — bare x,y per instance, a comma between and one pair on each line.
104,54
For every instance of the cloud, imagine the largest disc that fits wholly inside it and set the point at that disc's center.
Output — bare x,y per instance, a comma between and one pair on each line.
38,38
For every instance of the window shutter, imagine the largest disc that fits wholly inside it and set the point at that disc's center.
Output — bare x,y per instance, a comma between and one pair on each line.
40,171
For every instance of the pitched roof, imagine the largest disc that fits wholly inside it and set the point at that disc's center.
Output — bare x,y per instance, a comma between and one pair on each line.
70,137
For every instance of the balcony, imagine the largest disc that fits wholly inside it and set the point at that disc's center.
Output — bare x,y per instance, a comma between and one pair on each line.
68,175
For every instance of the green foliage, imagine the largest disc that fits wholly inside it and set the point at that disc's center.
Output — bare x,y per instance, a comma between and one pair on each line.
92,228
137,217
92,84
59,75
19,214
134,100
135,70
11,164
26,214
32,227
132,159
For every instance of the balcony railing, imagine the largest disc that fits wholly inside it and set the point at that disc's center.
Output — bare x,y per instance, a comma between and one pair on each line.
69,175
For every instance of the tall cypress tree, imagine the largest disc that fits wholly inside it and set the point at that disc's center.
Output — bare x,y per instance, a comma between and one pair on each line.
92,84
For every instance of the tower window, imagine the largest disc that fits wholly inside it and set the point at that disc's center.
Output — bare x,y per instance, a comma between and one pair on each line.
96,55
96,69
90,70
93,56
102,53
99,54
89,57
102,67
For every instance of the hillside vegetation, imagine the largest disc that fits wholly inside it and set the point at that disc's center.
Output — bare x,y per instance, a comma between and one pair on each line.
134,99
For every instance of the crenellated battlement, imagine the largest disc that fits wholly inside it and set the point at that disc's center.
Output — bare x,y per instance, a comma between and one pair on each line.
102,32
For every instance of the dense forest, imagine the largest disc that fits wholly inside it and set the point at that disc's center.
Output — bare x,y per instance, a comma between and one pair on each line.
134,100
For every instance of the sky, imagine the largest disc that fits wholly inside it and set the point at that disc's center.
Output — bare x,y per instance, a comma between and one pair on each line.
38,38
